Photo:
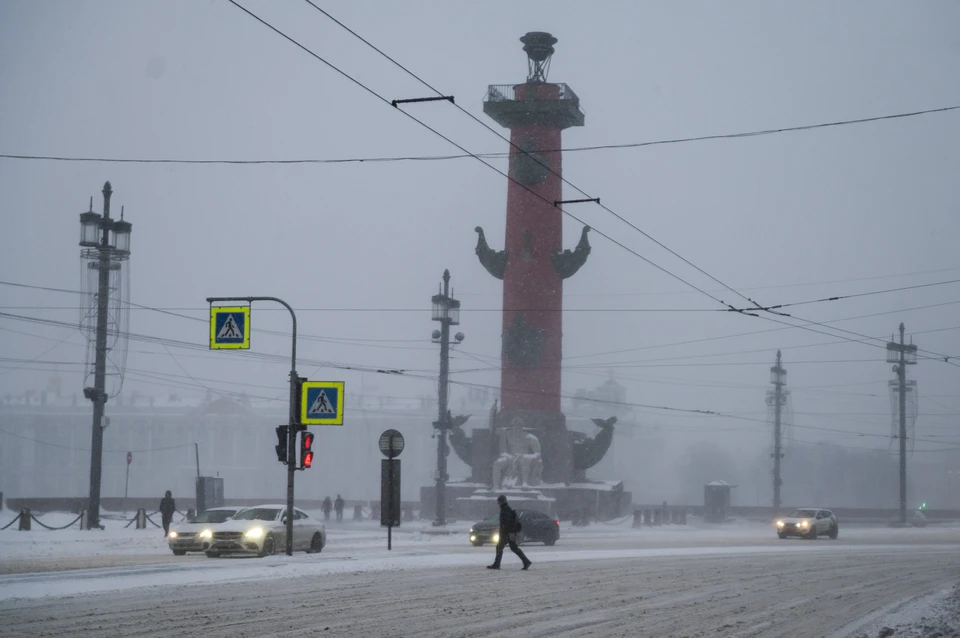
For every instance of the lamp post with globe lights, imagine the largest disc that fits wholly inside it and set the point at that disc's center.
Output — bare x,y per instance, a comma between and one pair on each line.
446,310
104,242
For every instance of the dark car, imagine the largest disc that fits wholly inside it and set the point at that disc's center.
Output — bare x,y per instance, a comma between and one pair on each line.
534,526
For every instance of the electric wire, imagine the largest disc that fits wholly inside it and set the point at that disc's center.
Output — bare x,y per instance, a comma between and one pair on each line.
347,76
495,155
756,305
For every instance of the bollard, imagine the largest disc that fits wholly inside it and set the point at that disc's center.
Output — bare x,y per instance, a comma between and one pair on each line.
83,518
191,514
25,519
357,513
637,518
141,518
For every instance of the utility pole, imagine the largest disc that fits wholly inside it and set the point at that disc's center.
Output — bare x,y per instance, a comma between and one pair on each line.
446,310
108,241
902,355
778,377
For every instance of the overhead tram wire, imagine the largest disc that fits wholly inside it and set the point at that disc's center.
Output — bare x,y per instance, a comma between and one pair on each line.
517,148
863,338
502,155
747,311
473,155
171,310
345,341
245,354
467,154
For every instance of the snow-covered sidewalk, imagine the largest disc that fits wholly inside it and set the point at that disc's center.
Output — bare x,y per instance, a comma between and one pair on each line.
935,615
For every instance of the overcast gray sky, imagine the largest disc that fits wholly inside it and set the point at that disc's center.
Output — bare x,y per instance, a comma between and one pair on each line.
867,206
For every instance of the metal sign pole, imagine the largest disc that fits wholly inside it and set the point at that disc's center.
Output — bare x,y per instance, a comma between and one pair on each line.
391,445
293,425
390,501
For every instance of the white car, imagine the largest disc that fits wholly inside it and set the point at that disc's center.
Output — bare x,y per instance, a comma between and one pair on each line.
808,522
262,530
196,535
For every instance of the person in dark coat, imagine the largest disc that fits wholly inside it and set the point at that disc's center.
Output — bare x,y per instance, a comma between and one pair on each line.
338,508
509,526
167,507
326,507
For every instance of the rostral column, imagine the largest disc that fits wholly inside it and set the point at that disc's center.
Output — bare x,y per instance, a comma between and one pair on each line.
533,264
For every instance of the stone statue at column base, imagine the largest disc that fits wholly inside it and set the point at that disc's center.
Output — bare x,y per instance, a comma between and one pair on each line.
520,463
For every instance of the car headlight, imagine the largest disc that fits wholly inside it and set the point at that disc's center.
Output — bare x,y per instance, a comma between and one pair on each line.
495,538
205,534
473,538
803,523
471,530
173,533
256,532
779,523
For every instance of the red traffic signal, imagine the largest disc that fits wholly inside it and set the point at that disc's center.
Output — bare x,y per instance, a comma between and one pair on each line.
305,448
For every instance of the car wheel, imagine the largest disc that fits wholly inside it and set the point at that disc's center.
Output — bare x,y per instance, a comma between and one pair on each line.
212,553
834,532
316,544
550,541
179,552
812,534
269,547
782,536
477,543
521,538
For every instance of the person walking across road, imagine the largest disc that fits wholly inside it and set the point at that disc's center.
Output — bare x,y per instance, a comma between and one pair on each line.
338,508
509,526
326,507
167,507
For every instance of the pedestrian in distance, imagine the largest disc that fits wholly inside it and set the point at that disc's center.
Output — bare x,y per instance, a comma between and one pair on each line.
326,507
509,527
338,508
167,507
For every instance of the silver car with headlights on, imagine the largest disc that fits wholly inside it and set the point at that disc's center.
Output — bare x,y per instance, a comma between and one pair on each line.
808,522
196,535
262,530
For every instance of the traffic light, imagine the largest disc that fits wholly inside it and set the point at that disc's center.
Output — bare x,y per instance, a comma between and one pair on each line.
281,447
305,449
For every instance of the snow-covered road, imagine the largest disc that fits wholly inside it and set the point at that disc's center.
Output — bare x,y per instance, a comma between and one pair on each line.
598,581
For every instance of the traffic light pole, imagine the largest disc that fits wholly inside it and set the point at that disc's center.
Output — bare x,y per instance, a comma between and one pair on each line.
293,425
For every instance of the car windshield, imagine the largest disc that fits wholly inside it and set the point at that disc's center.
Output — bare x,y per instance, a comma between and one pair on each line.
494,518
257,514
213,516
803,513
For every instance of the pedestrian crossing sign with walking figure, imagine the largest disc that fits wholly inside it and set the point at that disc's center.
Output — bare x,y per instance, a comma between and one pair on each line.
230,328
321,403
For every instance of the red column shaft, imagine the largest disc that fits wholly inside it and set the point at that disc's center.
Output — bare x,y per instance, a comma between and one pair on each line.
531,285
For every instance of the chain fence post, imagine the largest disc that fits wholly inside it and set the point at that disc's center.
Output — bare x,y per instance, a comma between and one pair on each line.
25,519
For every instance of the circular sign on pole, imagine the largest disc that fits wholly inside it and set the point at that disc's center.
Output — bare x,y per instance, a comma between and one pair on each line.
129,458
391,443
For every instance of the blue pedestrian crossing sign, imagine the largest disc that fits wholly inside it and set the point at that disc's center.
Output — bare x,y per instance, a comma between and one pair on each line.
230,328
321,403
